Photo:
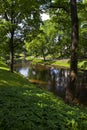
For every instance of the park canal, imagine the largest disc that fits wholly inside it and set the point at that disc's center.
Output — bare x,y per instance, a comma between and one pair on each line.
53,79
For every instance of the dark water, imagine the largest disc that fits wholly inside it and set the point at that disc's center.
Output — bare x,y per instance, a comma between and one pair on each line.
53,79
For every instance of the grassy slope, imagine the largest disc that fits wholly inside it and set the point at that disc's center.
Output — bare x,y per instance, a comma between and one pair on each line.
25,107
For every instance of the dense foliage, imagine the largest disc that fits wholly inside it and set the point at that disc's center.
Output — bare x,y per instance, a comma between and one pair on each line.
23,31
17,20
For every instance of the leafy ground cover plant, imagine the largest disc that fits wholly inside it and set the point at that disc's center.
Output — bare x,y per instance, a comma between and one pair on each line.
23,106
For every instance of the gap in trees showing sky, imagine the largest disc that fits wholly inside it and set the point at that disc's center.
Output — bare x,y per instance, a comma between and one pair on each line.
45,16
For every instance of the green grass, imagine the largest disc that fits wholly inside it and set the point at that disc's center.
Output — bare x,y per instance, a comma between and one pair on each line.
82,64
62,63
23,106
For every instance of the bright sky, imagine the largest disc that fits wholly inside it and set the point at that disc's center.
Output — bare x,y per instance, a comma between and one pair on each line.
44,16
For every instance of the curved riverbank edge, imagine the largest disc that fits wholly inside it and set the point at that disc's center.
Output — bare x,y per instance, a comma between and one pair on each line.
63,63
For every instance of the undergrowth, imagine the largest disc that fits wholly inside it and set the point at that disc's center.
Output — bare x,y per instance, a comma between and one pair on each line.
23,106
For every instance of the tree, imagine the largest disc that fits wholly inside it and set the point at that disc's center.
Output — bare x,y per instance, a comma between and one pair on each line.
62,23
38,46
74,20
83,41
46,41
74,47
72,11
3,39
82,9
23,17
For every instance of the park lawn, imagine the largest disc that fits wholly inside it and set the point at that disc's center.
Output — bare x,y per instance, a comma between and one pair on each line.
23,106
82,64
56,63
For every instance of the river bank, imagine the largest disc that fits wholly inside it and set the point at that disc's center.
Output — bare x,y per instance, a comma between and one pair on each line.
24,106
82,63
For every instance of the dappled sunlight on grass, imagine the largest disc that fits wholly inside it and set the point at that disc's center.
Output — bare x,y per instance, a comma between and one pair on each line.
82,64
62,63
3,65
4,68
11,79
3,82
59,63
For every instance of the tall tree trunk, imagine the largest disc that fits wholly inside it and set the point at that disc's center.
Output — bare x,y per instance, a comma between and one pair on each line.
43,55
11,51
74,20
73,64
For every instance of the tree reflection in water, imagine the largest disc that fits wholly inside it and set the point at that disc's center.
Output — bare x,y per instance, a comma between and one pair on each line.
54,79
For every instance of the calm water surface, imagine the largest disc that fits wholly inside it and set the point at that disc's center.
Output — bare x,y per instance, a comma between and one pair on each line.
52,78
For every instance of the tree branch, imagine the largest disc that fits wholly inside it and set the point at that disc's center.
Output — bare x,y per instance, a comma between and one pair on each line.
64,6
6,17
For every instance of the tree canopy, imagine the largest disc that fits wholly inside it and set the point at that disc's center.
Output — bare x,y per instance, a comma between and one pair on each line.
22,29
